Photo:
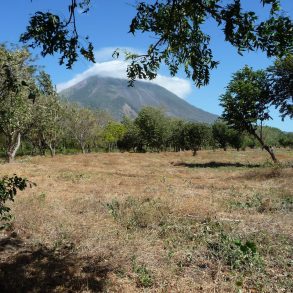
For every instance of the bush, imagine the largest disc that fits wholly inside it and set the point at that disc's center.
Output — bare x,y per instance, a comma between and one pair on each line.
238,254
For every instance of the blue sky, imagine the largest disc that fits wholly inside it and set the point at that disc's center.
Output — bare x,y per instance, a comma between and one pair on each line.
107,24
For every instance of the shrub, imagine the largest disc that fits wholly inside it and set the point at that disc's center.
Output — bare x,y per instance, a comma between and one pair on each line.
238,254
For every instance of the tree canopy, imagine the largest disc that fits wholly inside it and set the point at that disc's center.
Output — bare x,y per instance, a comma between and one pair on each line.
16,85
179,34
281,81
246,102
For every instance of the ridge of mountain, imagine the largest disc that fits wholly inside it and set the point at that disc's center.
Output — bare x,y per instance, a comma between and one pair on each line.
114,96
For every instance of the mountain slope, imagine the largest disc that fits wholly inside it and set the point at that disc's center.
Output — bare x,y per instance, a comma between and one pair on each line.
114,96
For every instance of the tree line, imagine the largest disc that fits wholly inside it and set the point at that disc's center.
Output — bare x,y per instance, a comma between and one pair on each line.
57,126
152,130
35,119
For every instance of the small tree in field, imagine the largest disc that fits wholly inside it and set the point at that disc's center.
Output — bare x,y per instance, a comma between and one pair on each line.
236,139
131,139
81,124
220,132
196,135
246,103
152,124
113,132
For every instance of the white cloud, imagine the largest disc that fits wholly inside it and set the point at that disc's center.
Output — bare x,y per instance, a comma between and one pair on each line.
107,67
113,68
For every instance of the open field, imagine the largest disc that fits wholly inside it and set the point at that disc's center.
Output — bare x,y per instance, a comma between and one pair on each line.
155,222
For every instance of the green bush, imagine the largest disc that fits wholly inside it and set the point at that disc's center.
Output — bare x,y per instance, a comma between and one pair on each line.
238,254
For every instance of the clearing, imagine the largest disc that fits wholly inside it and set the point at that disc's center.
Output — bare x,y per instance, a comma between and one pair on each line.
155,222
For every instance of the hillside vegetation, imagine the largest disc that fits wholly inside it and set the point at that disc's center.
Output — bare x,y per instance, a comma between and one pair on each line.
168,222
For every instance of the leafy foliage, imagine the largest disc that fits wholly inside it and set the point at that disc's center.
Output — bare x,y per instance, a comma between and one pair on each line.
180,39
246,103
47,115
81,123
221,134
16,86
55,35
113,132
196,136
246,100
286,140
8,190
152,126
131,139
236,139
281,80
238,254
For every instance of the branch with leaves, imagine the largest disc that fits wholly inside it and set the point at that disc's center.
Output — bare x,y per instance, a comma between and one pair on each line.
8,190
56,35
178,27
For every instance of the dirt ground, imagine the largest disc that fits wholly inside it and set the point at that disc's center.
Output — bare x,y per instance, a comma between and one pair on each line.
154,222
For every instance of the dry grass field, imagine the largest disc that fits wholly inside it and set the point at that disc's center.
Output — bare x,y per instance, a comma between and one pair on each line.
155,222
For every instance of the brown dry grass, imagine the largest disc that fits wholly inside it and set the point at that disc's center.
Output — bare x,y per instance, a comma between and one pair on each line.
148,223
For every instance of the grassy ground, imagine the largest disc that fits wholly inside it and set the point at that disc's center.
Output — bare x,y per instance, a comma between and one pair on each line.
168,222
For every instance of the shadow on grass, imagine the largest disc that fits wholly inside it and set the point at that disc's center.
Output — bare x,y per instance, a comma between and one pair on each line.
214,164
27,269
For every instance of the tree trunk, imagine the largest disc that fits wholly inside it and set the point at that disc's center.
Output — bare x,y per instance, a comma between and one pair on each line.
13,146
266,147
271,152
52,150
42,148
194,152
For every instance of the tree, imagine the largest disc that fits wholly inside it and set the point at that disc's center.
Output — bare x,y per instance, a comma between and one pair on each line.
152,124
176,138
286,140
177,27
131,139
246,103
196,136
46,130
220,132
281,82
236,139
81,124
113,132
16,86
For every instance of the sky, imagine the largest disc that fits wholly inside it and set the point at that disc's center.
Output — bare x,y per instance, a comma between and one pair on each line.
107,25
